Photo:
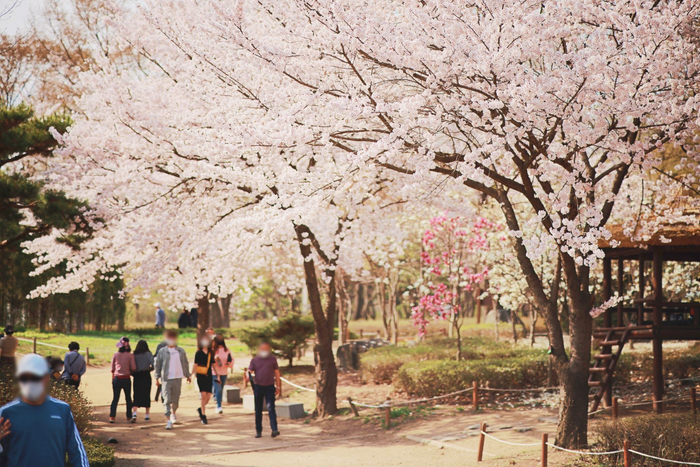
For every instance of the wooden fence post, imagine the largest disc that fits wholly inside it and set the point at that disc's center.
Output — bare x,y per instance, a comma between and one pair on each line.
626,455
34,345
353,408
482,438
545,437
693,400
387,413
87,355
475,396
614,408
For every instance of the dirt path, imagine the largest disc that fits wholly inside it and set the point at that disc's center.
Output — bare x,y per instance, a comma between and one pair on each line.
450,435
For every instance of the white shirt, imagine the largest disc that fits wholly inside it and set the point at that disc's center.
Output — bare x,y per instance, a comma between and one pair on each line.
175,368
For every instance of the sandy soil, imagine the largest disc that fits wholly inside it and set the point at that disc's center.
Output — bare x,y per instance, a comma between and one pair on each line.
448,437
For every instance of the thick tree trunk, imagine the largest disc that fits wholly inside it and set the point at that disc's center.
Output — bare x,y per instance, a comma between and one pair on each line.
225,305
326,371
202,314
215,312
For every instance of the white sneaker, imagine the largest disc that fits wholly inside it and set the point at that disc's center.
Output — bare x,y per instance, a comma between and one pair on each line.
147,417
169,425
173,418
219,410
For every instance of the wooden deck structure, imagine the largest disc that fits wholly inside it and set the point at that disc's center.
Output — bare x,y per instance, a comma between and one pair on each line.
650,317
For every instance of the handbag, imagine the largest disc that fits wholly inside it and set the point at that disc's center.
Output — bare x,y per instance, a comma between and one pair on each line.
204,370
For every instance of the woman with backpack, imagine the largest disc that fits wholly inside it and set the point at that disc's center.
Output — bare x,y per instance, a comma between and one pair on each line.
223,362
142,379
203,360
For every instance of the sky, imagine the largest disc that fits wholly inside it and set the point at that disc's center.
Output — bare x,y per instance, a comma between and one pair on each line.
19,16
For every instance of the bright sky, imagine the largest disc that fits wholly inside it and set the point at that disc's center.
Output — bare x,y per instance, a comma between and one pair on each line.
18,17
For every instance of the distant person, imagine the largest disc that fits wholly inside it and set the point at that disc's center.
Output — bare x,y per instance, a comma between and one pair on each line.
8,347
160,316
35,429
74,365
266,384
194,313
123,366
142,379
223,362
55,368
184,320
171,367
160,345
203,360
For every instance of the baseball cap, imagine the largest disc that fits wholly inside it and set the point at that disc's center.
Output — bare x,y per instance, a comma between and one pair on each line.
32,364
157,304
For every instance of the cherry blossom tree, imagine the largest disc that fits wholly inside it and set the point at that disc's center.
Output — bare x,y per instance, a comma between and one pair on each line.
256,117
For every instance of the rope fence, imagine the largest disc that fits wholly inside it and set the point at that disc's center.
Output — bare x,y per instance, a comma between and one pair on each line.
626,451
35,342
297,386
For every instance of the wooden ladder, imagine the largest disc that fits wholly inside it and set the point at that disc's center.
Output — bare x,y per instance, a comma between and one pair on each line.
604,363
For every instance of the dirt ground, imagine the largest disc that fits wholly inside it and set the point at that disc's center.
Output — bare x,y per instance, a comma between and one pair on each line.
446,437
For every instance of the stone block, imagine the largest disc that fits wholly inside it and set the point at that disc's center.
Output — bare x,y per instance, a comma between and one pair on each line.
233,394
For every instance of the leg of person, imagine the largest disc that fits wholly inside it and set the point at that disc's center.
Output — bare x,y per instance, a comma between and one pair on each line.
217,392
127,396
271,411
115,400
258,396
175,392
220,393
165,393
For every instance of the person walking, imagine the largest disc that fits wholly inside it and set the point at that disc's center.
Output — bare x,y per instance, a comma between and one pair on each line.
74,366
267,383
184,320
8,347
160,316
143,358
202,368
36,429
223,362
171,367
123,365
193,317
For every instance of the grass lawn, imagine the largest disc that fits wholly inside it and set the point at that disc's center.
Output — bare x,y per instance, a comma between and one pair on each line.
102,344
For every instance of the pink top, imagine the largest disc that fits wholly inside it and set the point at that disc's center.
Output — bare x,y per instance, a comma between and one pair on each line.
221,362
123,364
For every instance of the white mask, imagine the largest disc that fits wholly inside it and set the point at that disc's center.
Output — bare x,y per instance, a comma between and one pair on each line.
263,354
170,342
204,343
32,390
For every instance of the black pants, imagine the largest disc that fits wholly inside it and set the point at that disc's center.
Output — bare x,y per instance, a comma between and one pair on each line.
119,385
267,393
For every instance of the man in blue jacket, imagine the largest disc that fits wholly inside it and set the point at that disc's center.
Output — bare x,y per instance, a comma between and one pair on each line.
38,418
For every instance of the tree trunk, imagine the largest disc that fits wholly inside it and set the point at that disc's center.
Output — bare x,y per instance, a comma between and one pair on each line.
121,319
326,371
343,307
203,314
225,305
215,312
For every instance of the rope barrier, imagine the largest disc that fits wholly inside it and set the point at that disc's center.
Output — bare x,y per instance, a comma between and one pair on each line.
297,386
661,458
550,388
586,453
45,344
508,442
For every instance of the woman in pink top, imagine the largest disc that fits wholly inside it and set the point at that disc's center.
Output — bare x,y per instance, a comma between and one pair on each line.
123,365
223,361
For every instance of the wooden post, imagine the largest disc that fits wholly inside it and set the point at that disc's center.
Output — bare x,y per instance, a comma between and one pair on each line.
693,400
614,408
545,437
642,283
387,413
626,455
607,289
657,344
87,355
620,289
482,438
353,408
34,345
475,396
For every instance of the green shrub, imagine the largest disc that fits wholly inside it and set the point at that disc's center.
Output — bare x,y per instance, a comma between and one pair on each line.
99,454
287,335
436,377
380,365
670,436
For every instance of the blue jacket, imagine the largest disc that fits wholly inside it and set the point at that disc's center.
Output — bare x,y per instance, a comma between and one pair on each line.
41,435
160,317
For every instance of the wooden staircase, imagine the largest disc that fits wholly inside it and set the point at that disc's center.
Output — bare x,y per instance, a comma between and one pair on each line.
600,374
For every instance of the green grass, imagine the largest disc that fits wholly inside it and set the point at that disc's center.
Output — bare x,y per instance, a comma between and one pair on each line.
102,344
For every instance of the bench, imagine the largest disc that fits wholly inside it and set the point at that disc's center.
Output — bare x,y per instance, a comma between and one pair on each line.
233,394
